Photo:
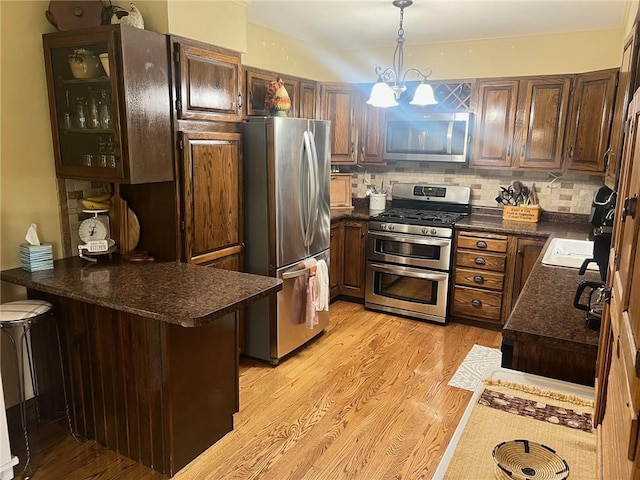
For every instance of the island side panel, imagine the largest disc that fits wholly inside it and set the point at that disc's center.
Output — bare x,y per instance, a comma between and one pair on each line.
113,367
202,386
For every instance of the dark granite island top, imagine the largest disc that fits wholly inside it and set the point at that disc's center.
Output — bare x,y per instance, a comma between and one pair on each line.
186,295
138,381
549,334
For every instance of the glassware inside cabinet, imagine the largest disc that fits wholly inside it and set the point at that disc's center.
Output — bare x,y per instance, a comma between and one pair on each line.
83,94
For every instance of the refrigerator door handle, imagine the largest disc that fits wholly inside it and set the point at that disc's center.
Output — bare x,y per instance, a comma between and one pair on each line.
300,269
316,188
309,180
304,195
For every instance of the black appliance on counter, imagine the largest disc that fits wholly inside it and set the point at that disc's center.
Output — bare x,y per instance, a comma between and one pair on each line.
602,213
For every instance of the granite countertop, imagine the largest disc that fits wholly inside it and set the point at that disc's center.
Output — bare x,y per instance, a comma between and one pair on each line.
544,313
172,292
577,226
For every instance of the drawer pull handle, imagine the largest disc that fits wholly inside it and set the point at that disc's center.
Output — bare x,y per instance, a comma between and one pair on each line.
481,244
476,303
480,261
478,279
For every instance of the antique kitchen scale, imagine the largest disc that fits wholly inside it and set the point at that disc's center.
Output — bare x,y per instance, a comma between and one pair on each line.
95,232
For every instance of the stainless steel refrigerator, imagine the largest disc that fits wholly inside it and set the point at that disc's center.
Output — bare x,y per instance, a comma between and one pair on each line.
286,181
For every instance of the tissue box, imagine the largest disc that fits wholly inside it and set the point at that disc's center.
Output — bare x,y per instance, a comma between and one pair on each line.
36,257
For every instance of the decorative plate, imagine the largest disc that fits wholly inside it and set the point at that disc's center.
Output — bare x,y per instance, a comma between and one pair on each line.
525,460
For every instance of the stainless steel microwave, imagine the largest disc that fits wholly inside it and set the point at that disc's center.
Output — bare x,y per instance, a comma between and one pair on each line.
431,137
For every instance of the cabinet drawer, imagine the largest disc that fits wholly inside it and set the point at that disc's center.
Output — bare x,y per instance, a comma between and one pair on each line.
481,260
473,302
479,279
482,243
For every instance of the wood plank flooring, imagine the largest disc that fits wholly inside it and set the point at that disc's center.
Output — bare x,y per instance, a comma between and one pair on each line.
367,400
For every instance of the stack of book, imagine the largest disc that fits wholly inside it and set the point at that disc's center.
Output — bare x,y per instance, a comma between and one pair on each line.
36,257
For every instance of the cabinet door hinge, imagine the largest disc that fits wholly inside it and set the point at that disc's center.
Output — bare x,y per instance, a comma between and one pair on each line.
178,105
182,225
180,143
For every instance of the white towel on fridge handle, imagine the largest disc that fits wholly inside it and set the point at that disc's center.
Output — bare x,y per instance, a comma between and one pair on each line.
322,279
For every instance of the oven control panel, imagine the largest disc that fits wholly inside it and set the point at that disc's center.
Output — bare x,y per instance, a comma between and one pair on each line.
412,229
428,191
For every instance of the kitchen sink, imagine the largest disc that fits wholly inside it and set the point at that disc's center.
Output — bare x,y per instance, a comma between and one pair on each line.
566,252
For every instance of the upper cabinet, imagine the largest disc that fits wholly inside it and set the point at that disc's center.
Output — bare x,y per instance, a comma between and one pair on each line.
302,93
624,90
209,83
520,123
548,122
590,121
370,131
109,104
338,104
495,123
308,99
540,122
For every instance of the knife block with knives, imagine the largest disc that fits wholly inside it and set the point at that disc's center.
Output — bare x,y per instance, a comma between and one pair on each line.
520,203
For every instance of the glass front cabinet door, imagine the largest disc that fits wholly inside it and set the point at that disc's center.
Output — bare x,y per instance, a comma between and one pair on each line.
109,103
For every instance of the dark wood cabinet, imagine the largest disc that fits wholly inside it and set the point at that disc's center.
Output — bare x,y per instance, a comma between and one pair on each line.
208,81
208,154
370,125
624,90
590,121
302,93
212,195
348,258
110,117
336,252
308,99
521,123
353,276
479,276
540,123
337,103
495,123
489,273
257,82
527,253
618,369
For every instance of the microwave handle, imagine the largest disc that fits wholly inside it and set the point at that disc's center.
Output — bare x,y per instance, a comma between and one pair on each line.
449,137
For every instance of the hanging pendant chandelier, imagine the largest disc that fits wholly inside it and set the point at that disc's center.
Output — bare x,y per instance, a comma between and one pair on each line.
391,81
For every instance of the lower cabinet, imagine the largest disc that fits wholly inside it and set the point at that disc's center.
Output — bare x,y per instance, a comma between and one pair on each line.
336,259
490,271
348,258
527,252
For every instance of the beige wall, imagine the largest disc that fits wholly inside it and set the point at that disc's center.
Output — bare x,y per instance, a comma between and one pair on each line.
272,50
215,22
27,181
531,55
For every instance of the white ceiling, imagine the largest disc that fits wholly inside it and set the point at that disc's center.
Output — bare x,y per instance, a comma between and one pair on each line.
361,24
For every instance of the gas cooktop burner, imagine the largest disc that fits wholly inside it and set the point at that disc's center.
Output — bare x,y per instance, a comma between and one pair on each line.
418,217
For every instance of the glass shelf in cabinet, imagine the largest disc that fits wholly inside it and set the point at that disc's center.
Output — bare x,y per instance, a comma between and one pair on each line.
83,81
87,130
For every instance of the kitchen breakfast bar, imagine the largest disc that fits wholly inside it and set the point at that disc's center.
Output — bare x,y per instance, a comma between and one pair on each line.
150,351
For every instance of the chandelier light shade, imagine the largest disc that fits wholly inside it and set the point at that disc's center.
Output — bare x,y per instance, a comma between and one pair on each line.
391,80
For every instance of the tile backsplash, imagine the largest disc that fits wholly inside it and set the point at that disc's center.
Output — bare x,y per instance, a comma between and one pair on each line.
569,193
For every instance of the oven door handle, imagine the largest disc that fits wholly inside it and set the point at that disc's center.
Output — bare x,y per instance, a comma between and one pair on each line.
397,270
419,240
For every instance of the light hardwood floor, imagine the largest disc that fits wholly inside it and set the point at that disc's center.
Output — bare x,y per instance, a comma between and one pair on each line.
367,400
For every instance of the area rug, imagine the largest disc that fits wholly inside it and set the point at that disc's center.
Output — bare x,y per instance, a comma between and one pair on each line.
478,361
507,411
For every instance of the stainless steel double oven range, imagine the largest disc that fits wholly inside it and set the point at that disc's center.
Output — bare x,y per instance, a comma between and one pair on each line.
409,250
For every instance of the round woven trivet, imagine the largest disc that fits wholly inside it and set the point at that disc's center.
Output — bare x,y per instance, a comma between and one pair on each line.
525,460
